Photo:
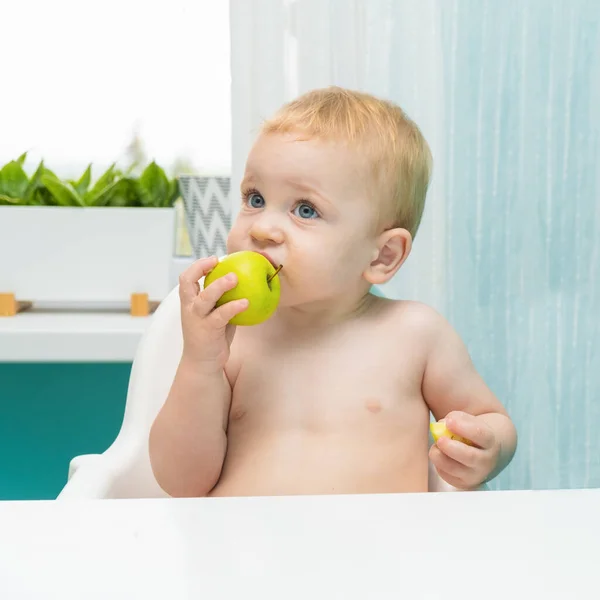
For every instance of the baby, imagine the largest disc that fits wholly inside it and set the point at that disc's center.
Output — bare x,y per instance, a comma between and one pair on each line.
333,394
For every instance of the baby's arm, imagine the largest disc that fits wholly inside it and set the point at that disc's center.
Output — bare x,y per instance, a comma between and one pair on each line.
188,438
454,390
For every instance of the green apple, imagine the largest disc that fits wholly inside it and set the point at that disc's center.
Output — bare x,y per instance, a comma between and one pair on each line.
258,282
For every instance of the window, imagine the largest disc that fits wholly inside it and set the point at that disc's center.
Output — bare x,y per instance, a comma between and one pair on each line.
91,82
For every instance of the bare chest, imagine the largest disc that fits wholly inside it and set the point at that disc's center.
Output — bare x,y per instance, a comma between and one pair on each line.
327,387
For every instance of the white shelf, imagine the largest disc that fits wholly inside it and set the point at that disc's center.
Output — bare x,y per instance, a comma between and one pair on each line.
53,336
46,335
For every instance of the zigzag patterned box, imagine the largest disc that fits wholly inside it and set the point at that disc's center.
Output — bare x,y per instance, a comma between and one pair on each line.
207,211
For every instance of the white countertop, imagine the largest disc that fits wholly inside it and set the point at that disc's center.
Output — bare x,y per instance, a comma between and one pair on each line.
492,545
63,336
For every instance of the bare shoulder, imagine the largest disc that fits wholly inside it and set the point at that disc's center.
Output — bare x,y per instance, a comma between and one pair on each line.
411,317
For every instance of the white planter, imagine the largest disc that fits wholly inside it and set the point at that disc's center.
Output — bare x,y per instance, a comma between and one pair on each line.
85,255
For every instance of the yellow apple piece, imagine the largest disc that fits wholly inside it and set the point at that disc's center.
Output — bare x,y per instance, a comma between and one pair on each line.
258,282
439,429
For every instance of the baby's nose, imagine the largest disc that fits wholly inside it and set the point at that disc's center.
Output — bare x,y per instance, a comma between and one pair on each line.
266,229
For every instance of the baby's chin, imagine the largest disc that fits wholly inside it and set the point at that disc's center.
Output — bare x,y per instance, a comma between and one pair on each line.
290,296
304,293
287,297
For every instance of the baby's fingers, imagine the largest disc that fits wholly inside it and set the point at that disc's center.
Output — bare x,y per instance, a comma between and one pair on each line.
189,287
221,316
209,296
470,427
459,484
459,451
447,464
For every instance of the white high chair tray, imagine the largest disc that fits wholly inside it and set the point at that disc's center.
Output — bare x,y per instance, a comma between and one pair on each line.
415,546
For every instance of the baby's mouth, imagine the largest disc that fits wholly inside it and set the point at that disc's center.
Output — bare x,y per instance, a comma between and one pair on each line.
275,264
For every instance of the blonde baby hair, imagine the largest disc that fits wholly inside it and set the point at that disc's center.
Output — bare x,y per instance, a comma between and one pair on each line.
397,154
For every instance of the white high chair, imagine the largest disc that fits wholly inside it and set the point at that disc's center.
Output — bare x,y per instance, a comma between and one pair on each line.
123,470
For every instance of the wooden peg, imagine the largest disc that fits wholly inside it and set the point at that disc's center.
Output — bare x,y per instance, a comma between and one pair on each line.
10,306
140,306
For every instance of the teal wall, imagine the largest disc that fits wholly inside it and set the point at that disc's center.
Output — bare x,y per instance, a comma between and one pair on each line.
50,413
522,202
508,95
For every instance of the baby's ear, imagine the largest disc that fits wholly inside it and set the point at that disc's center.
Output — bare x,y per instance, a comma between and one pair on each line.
393,248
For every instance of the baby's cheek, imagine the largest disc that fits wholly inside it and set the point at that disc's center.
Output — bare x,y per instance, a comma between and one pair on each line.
329,278
233,242
311,275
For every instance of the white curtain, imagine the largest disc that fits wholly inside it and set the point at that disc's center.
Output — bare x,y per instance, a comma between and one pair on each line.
508,96
282,48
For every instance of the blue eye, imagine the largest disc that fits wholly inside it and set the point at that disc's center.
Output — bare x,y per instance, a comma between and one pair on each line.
255,200
305,211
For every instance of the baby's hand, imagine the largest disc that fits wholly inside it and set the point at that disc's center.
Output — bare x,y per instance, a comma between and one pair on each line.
207,334
459,464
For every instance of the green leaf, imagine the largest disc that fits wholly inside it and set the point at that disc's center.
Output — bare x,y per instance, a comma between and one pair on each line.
103,196
13,180
113,188
154,186
173,192
43,196
131,169
35,184
107,178
63,193
4,200
47,171
83,183
126,192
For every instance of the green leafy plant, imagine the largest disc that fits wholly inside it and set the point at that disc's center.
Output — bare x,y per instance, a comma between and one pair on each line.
152,188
